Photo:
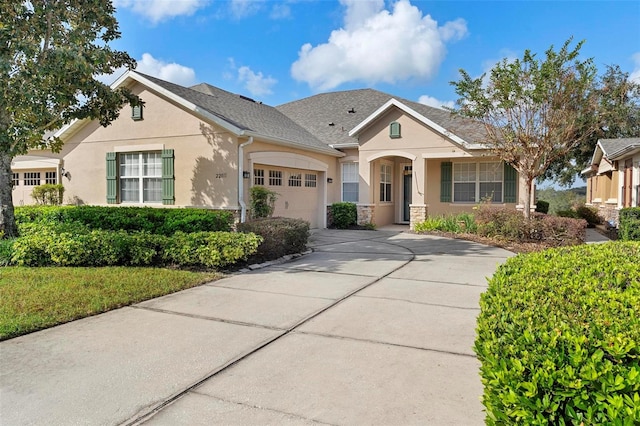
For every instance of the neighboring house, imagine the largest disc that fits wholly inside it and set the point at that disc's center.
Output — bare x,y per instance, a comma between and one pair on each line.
204,147
613,179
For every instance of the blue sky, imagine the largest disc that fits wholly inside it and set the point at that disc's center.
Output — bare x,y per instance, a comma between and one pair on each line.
282,50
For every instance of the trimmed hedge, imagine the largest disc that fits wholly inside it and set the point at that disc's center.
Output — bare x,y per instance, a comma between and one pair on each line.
542,206
629,224
511,225
74,244
559,337
281,236
162,221
344,214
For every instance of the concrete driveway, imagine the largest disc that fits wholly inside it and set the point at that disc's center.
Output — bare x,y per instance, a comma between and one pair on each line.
373,327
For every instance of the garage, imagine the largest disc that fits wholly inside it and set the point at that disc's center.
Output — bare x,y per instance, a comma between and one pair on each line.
301,190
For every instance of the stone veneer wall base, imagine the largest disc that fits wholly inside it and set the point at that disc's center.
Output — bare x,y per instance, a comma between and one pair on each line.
417,213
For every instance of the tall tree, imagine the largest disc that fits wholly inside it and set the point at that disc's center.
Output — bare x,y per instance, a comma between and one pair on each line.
534,110
618,116
50,54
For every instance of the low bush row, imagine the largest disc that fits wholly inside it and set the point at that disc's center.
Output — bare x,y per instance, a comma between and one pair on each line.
75,244
464,222
558,337
163,221
590,214
629,224
512,225
281,236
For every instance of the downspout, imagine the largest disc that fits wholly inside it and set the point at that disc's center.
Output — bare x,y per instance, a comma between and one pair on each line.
243,205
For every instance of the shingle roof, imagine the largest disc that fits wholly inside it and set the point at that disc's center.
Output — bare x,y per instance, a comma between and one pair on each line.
611,147
244,113
315,114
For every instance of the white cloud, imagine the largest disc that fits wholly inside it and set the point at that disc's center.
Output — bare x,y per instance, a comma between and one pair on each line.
635,74
256,83
377,45
431,101
280,11
243,8
172,72
160,10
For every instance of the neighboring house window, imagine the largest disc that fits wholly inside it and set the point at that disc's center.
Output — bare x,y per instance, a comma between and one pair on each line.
258,176
50,177
136,113
385,182
394,130
350,182
475,182
32,178
295,179
310,180
15,179
141,177
275,178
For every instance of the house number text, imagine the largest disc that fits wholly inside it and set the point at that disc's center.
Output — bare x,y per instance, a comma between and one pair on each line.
221,175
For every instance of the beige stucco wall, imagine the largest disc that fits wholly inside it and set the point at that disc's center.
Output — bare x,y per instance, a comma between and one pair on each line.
205,155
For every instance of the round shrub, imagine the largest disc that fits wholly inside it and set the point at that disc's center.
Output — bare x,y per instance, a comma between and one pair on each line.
558,337
280,236
344,214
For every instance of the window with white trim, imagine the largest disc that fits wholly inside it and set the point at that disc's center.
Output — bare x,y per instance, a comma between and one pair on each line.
275,177
350,182
32,178
385,182
475,182
258,176
15,179
140,177
310,180
295,179
50,178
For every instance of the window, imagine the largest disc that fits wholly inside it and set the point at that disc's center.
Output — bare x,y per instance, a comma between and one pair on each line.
310,180
258,176
295,179
275,178
350,182
15,179
136,112
141,177
475,182
385,182
32,178
50,177
394,130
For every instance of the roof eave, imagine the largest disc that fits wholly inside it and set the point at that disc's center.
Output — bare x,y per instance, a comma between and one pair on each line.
627,150
290,144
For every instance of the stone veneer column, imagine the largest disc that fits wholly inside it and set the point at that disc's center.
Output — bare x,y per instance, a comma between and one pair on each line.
417,213
366,213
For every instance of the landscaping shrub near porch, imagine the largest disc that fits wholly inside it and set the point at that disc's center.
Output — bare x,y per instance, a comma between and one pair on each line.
629,226
559,337
281,236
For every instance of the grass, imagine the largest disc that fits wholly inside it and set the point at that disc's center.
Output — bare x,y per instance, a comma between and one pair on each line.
35,298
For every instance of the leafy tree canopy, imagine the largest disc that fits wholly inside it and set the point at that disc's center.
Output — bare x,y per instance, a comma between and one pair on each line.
50,54
535,110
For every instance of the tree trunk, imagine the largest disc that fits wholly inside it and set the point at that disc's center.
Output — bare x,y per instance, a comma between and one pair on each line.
527,198
7,218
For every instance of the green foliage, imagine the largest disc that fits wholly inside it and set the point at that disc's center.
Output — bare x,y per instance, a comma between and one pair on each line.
542,206
561,199
164,221
281,236
534,109
52,54
590,214
558,337
464,222
6,252
568,213
74,244
629,226
262,202
344,214
48,194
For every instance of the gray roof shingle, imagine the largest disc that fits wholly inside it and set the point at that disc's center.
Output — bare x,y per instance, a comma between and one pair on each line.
245,113
614,146
316,112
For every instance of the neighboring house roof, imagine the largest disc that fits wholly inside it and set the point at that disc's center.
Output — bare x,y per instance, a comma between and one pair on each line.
348,109
614,149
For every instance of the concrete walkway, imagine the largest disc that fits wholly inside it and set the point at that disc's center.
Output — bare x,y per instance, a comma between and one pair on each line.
373,327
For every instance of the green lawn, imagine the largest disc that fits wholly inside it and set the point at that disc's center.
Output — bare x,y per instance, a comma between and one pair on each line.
35,298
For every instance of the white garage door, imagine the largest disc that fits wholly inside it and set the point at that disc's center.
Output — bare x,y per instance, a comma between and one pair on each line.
297,190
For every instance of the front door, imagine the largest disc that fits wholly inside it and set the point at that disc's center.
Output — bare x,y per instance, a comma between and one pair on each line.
406,190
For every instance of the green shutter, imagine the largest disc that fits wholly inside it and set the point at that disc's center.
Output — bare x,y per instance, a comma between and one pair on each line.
510,183
112,178
445,181
168,178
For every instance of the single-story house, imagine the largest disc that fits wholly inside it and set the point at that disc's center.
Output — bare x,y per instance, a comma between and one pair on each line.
613,179
201,146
